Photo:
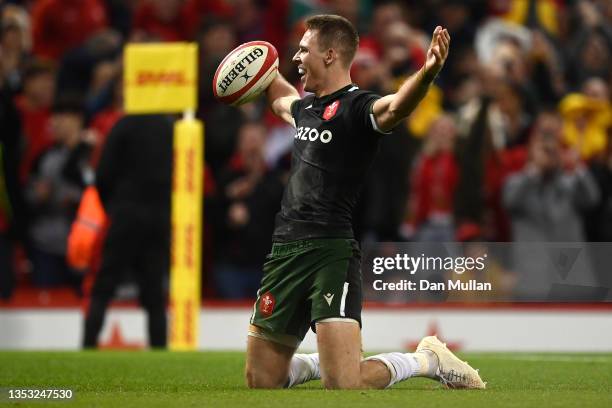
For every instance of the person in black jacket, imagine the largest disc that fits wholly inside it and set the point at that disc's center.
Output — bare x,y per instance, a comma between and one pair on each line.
134,181
12,216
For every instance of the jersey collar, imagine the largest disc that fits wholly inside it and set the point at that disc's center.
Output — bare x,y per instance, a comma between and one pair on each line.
328,98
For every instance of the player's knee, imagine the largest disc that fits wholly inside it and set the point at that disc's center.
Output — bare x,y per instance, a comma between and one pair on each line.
259,379
335,382
251,379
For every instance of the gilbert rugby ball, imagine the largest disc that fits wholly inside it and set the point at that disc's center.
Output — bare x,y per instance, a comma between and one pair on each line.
245,73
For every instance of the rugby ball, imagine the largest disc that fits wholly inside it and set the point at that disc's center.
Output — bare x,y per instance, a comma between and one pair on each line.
245,73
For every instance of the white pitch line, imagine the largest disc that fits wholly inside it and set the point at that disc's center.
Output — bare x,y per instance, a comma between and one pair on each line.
560,359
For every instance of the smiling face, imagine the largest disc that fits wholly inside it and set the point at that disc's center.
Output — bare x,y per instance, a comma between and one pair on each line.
311,61
325,53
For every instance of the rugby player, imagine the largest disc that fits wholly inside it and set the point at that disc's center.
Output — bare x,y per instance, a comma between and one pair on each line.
312,277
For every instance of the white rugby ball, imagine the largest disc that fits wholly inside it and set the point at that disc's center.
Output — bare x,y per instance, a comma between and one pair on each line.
245,72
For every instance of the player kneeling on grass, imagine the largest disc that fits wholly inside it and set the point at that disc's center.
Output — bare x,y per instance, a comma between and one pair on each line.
312,277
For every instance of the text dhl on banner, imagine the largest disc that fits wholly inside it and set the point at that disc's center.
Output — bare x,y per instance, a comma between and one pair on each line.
160,77
186,235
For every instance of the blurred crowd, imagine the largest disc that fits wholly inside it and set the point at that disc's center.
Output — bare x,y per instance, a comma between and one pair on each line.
512,143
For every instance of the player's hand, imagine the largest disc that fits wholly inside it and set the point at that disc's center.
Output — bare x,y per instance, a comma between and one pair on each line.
437,52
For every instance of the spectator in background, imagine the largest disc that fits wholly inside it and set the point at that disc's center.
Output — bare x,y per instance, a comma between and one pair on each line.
348,9
250,195
162,19
404,51
382,206
544,200
367,71
523,57
599,219
54,191
542,14
462,19
14,53
216,38
591,56
90,226
493,128
133,179
519,71
276,23
14,14
105,74
104,120
518,55
434,179
79,71
60,25
546,67
12,208
588,51
105,91
587,118
247,20
216,8
120,15
383,16
34,106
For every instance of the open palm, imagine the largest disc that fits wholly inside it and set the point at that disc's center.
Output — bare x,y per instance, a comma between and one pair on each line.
437,52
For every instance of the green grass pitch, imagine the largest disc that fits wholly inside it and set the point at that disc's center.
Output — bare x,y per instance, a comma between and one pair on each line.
214,379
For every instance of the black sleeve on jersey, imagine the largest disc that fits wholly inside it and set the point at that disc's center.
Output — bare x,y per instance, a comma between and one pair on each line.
295,108
362,111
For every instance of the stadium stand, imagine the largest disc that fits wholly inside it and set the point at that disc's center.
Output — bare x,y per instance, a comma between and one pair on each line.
445,174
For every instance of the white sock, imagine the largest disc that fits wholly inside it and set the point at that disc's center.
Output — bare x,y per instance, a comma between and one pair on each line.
428,363
402,366
303,368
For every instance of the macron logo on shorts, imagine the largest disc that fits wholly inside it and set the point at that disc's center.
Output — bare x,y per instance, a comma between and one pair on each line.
328,298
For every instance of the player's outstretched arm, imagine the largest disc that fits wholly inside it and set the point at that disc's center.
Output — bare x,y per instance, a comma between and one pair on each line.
391,109
281,95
